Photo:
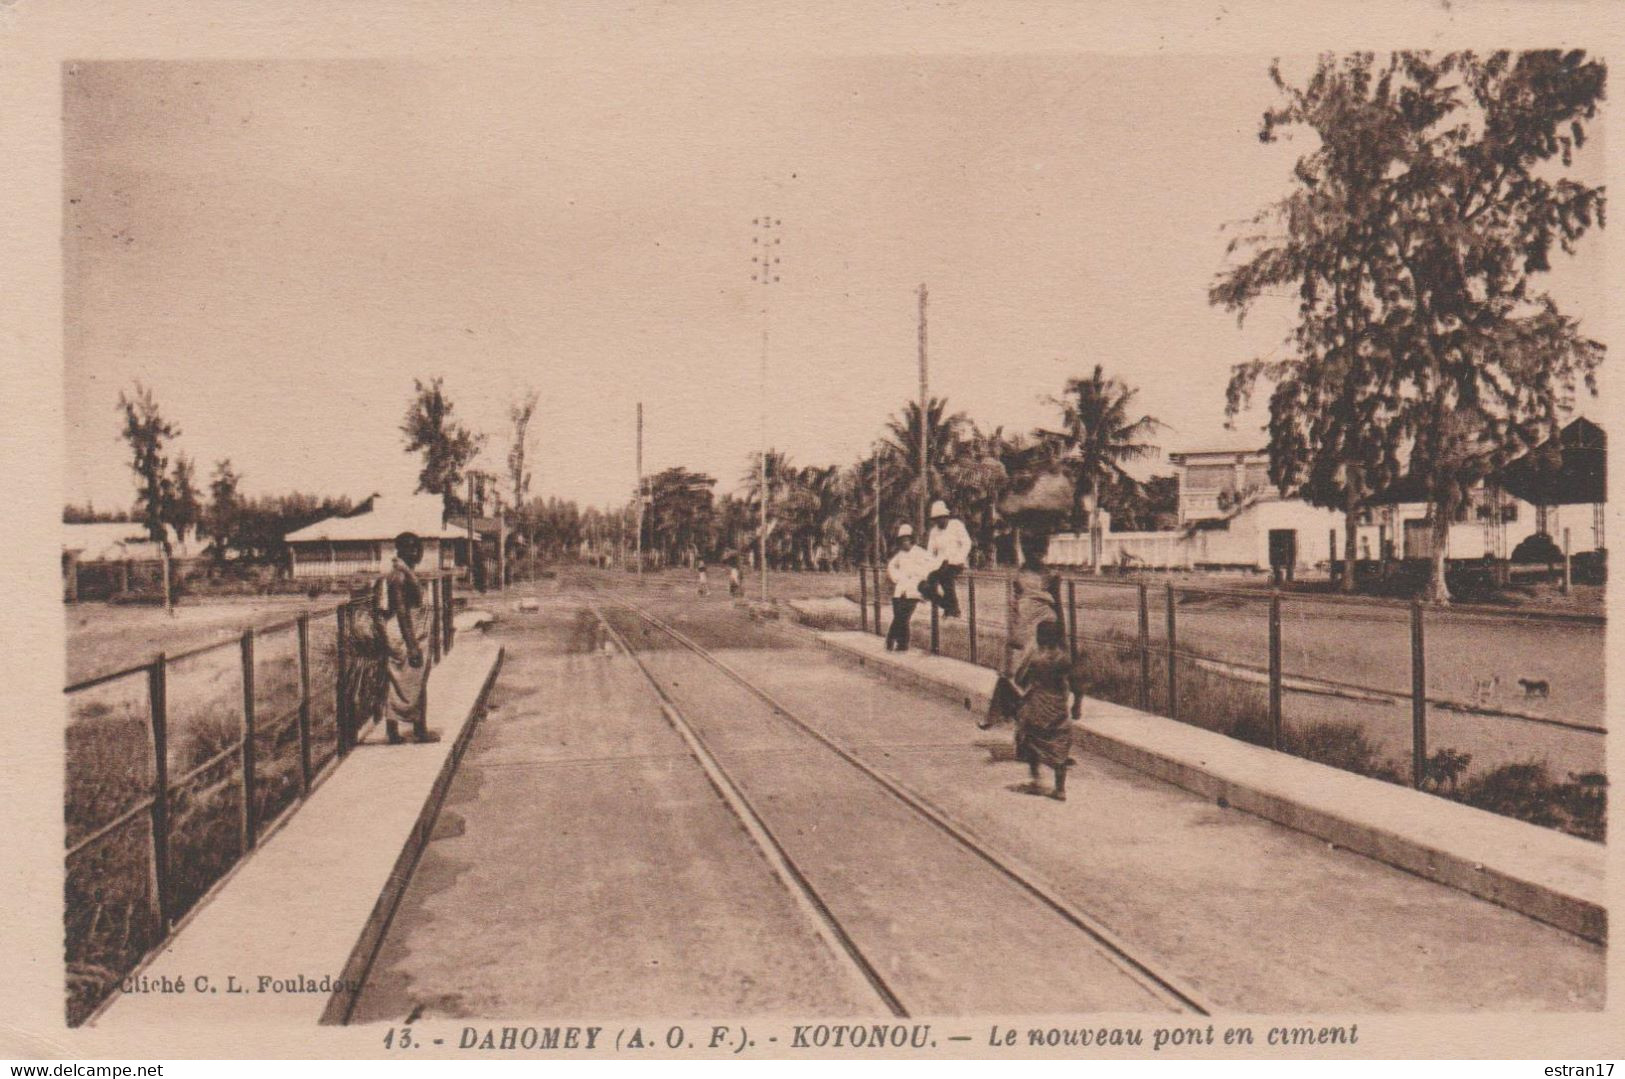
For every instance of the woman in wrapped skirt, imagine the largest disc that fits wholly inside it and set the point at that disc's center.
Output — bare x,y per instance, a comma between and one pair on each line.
1043,725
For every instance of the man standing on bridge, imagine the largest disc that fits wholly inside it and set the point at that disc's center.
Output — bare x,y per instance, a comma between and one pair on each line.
949,546
907,568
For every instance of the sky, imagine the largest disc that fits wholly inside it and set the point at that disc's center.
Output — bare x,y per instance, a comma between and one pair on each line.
279,249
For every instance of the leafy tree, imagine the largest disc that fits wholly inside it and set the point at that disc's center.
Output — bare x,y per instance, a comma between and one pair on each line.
1145,507
1326,443
447,446
679,517
1415,234
1096,437
147,434
259,524
554,525
519,414
224,506
185,505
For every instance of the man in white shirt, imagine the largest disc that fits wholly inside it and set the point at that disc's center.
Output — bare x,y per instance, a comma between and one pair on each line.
906,570
949,546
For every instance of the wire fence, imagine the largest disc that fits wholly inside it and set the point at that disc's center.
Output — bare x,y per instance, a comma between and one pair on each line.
178,767
1500,709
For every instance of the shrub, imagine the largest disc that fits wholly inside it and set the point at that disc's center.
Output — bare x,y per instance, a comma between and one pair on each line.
1526,791
1538,547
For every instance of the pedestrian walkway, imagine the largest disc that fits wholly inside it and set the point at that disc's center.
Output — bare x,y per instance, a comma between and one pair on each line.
1545,874
304,910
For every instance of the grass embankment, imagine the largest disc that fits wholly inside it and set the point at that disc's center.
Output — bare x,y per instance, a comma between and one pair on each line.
1525,790
109,922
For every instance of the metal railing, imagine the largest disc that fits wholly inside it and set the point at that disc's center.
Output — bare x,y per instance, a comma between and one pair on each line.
258,766
1154,681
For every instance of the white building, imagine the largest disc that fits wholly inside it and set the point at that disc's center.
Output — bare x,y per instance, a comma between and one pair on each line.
1232,517
364,544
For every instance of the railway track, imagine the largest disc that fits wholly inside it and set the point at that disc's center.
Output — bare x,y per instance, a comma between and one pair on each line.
864,962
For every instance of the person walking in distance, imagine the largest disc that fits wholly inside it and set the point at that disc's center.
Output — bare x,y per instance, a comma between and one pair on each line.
704,584
949,545
395,596
907,568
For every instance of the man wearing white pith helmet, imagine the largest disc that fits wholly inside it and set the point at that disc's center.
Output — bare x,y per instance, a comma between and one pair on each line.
906,570
949,546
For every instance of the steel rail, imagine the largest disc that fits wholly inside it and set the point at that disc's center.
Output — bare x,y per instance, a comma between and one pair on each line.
1161,985
784,866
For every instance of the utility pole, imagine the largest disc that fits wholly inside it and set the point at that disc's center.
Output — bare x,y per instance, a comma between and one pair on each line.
874,558
925,425
766,263
640,493
502,545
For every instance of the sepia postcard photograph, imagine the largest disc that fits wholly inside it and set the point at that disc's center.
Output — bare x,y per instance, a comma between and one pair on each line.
873,531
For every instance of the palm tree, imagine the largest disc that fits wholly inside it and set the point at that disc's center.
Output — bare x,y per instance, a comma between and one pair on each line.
977,478
787,502
1096,437
947,436
823,490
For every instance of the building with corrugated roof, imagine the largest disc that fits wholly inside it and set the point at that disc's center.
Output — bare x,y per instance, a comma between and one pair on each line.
363,544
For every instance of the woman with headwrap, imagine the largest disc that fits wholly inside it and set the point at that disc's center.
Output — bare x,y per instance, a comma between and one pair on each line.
1036,602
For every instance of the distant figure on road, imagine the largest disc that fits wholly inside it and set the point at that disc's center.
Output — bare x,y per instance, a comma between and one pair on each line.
949,546
907,568
736,586
395,595
704,587
1043,727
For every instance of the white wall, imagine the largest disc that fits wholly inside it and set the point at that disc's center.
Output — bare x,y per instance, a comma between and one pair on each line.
312,559
1245,542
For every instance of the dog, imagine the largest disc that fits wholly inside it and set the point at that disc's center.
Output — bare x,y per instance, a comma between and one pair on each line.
1535,687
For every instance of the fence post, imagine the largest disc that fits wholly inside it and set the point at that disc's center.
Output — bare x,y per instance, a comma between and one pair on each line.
446,612
877,601
249,809
1568,572
158,705
304,704
970,600
1145,648
1072,620
1275,671
434,623
1419,701
935,616
863,599
1173,666
1007,664
341,683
